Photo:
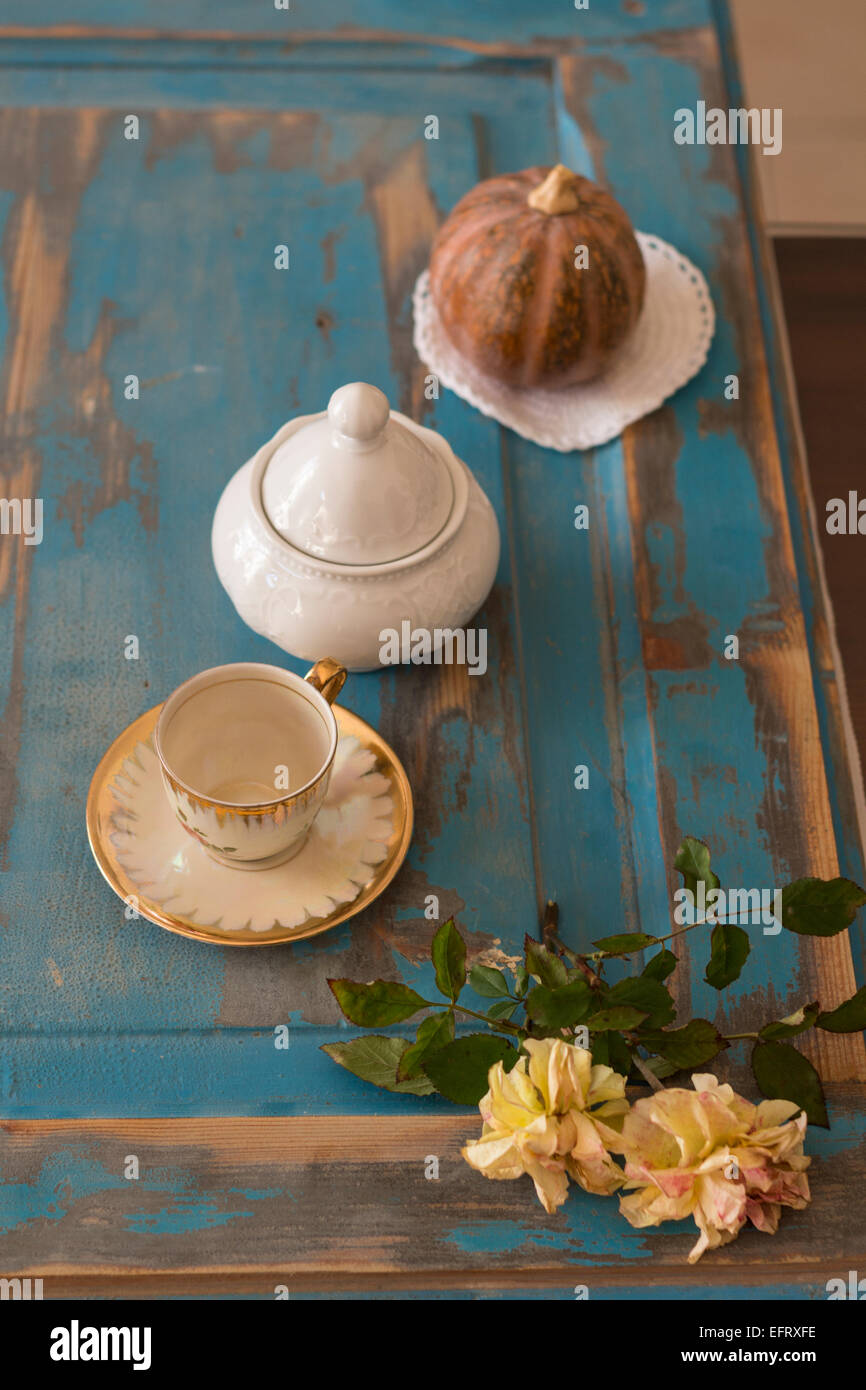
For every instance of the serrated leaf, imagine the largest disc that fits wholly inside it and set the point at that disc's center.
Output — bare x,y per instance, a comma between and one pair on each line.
820,907
459,1070
645,994
693,862
448,953
624,944
377,1004
849,1017
795,1023
729,946
783,1073
618,1017
559,1008
375,1058
433,1032
487,981
658,967
690,1046
503,1008
546,966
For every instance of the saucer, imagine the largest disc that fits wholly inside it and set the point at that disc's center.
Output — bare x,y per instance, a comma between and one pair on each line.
355,847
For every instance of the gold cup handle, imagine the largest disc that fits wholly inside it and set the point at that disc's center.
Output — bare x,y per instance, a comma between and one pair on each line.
328,677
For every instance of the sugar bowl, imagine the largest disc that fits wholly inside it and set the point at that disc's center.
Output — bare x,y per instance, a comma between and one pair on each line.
350,523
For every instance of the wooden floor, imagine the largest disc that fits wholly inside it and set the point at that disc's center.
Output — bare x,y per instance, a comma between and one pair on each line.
824,291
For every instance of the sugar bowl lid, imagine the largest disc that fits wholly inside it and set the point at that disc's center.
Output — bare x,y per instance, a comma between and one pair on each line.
358,484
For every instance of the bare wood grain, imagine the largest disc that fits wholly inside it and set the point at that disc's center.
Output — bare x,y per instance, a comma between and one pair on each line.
500,47
249,1203
35,255
62,1282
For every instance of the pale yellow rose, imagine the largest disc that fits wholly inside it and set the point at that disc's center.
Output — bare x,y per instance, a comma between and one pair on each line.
712,1155
552,1116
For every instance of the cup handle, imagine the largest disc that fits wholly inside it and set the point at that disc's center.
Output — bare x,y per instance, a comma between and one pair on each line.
328,677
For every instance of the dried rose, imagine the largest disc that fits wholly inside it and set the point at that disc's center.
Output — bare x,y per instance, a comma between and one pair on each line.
712,1155
552,1116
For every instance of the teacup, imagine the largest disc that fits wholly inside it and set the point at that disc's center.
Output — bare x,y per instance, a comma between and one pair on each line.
246,752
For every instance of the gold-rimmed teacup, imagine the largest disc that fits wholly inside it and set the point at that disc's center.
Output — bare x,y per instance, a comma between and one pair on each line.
246,752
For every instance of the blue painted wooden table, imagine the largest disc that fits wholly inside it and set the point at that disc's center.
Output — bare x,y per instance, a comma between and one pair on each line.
155,257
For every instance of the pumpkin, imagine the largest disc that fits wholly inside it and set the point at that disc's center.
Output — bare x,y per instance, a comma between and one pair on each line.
513,290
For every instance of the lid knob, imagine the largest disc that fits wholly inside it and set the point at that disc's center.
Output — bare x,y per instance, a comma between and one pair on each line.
358,414
358,484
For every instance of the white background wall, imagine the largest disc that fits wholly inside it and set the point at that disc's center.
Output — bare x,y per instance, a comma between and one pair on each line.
809,58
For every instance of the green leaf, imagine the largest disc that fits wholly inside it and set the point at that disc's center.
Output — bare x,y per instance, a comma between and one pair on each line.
729,946
488,982
377,1004
433,1032
521,979
660,966
559,1008
649,995
610,1049
546,966
448,953
795,1023
626,943
459,1070
820,907
374,1058
660,1067
503,1008
693,862
849,1017
783,1073
621,1016
686,1047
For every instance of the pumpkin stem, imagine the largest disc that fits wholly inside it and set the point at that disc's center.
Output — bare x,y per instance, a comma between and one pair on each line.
557,194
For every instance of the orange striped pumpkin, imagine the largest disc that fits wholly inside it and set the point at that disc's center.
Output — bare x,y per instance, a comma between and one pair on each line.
505,281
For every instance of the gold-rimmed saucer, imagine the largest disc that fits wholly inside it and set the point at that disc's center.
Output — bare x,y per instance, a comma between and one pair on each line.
357,844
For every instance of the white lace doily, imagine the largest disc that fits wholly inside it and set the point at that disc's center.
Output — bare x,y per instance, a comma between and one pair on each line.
668,347
349,837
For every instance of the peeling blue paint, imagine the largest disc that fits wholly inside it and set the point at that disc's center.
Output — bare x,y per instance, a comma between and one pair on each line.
171,256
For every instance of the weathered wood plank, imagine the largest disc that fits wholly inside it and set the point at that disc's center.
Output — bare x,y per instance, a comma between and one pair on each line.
704,571
481,1284
488,23
845,784
246,1198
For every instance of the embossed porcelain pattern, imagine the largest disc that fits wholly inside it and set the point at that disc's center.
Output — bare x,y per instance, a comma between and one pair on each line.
268,531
